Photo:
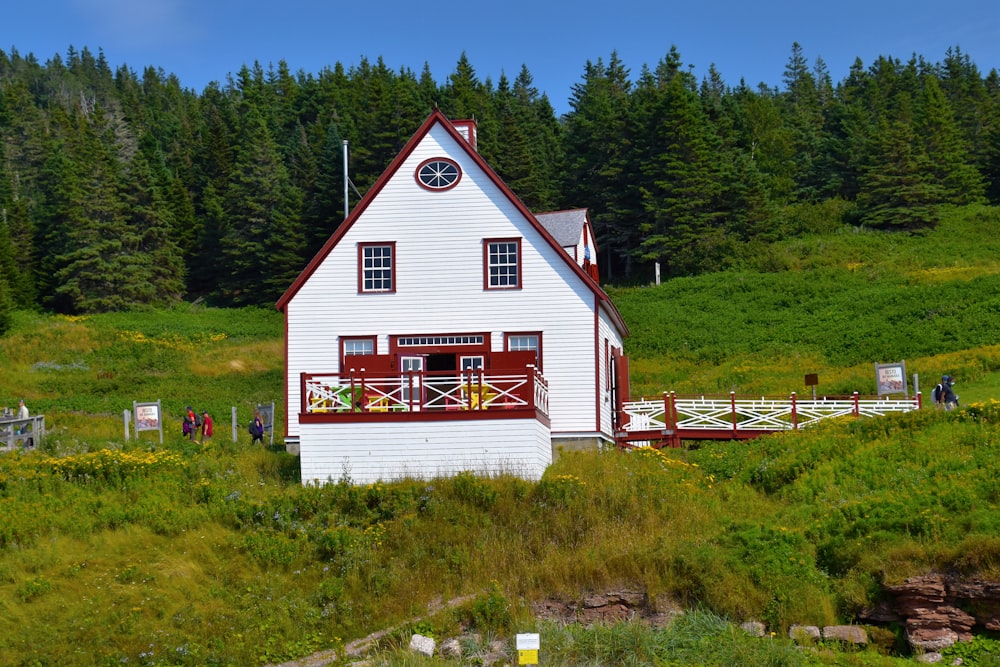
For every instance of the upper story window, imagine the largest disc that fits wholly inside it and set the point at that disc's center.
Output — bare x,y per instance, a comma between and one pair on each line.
438,174
503,263
377,267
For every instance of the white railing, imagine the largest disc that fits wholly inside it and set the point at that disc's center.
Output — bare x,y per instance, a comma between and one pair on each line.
693,413
417,391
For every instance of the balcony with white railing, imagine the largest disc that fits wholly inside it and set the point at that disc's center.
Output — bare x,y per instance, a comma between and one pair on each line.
361,396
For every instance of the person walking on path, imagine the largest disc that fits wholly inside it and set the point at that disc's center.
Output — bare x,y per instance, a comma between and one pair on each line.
207,427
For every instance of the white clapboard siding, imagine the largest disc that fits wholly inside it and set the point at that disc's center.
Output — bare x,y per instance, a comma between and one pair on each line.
371,452
439,286
439,276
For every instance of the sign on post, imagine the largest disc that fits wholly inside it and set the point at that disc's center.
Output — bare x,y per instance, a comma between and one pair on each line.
891,379
528,645
147,417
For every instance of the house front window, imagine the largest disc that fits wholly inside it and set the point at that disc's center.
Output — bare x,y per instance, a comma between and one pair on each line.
377,267
503,263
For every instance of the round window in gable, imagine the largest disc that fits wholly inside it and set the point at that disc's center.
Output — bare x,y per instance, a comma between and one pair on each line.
438,174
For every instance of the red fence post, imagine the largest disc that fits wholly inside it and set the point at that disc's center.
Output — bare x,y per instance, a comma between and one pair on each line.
857,410
675,439
795,414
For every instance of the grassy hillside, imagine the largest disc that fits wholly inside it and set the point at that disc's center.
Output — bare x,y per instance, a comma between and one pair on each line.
141,554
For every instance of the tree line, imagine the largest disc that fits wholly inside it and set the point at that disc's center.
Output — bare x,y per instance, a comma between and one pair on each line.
119,190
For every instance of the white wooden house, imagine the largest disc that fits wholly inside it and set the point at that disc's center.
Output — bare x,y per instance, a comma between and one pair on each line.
442,328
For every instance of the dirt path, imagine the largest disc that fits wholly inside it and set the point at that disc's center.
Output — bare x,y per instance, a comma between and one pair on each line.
359,647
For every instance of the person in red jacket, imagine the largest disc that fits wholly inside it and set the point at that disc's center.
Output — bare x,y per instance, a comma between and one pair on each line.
207,427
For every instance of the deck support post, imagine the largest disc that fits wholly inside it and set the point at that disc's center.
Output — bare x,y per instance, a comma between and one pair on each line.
795,414
732,405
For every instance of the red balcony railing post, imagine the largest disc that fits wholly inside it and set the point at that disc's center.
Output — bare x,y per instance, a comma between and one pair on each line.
530,370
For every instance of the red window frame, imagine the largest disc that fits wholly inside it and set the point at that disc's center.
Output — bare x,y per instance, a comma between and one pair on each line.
343,347
362,247
488,265
538,350
432,188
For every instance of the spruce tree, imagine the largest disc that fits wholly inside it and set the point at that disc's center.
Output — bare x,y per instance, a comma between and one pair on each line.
261,242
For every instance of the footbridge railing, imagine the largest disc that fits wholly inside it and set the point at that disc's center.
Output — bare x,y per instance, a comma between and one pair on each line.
676,417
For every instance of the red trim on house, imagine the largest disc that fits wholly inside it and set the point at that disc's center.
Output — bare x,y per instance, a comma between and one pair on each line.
597,362
395,349
437,117
361,266
486,264
288,407
343,341
529,412
416,173
538,352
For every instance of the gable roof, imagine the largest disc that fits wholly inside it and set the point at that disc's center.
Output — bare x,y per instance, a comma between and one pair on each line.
566,227
438,118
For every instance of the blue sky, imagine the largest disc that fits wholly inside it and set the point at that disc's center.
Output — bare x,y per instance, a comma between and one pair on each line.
204,40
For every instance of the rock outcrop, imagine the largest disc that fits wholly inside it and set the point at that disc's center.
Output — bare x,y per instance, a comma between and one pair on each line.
938,610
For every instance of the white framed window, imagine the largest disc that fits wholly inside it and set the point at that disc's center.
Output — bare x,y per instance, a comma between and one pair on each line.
502,263
526,342
377,267
470,363
353,346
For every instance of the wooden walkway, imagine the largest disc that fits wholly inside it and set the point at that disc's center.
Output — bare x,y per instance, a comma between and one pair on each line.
667,422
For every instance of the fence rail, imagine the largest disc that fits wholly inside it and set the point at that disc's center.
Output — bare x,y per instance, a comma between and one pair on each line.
15,433
738,417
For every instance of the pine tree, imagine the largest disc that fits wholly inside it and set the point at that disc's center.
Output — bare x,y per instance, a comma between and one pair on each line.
896,192
682,199
261,243
950,161
598,156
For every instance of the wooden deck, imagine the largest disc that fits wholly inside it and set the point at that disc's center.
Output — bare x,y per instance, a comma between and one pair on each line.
675,418
354,396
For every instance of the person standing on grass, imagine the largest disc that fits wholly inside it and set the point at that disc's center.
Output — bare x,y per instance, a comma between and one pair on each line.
191,423
257,429
207,427
22,413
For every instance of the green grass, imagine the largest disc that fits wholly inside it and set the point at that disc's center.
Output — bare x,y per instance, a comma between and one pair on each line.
116,552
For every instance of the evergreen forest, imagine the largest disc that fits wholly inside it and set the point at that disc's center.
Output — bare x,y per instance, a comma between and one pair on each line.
121,190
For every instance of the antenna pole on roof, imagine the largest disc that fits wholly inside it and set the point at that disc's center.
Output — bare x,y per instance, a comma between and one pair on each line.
347,208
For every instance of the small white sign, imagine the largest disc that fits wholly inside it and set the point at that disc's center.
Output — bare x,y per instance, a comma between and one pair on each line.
528,642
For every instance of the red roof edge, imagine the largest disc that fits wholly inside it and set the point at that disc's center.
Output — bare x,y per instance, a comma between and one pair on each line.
437,116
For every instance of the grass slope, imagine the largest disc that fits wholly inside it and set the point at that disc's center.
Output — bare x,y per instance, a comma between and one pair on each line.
141,554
